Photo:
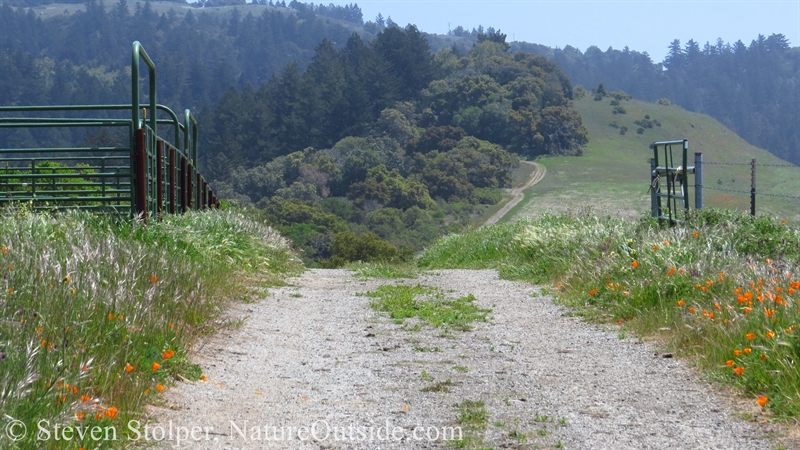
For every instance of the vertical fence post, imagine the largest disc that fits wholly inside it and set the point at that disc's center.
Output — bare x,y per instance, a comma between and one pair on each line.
160,177
140,174
171,180
698,181
199,194
653,193
189,186
753,187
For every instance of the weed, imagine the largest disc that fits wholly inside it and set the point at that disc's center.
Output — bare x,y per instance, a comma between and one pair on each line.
425,376
403,302
520,437
540,418
439,386
365,271
427,349
461,368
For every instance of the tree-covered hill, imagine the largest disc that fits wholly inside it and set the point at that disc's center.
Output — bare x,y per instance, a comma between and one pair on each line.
753,89
351,144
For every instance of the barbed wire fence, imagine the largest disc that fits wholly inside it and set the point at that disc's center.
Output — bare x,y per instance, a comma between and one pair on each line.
753,193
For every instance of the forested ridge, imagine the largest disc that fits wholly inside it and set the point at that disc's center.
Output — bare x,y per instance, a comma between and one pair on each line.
754,88
358,140
357,148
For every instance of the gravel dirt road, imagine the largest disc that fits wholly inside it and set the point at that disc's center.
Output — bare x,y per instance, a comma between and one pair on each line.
516,193
314,367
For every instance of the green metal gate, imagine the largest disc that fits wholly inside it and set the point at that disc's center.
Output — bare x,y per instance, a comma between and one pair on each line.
147,177
669,189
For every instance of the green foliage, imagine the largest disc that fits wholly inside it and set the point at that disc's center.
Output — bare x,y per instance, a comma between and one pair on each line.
349,247
90,303
429,305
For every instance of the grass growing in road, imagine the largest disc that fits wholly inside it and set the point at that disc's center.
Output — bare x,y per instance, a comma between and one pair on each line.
364,270
98,314
724,287
429,305
473,418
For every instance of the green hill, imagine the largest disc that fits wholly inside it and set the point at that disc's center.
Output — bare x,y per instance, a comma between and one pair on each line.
612,177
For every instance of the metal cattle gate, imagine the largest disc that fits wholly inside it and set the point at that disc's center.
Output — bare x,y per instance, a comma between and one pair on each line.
669,190
148,177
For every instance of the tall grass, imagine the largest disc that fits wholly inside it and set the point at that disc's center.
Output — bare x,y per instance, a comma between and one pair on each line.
97,314
723,288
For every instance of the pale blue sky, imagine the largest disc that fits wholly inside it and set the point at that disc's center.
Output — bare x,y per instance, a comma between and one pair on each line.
643,25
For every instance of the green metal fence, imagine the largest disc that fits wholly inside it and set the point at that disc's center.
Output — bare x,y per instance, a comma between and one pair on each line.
148,177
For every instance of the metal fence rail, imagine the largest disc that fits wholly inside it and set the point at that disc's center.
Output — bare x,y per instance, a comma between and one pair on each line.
148,177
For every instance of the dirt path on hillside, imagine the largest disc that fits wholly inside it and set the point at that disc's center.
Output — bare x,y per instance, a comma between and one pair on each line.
314,354
516,193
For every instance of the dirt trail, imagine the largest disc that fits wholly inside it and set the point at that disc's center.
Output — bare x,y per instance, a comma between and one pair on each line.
314,354
516,193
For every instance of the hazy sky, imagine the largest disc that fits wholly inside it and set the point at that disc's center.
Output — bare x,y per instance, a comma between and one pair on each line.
642,25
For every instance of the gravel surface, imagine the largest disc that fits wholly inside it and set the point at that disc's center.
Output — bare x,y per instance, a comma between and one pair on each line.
314,354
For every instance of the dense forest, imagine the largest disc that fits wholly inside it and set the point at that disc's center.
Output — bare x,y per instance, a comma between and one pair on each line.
753,89
356,146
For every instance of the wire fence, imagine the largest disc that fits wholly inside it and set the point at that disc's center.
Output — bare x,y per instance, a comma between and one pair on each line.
769,182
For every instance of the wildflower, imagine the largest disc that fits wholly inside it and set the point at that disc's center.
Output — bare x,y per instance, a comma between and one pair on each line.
748,295
769,261
717,305
691,310
128,367
203,377
98,416
747,350
709,282
770,334
738,370
155,366
80,415
737,352
750,336
84,368
763,357
85,398
5,250
704,289
695,234
729,363
680,303
665,243
711,315
655,247
67,279
153,279
762,400
740,299
168,354
635,264
788,329
110,316
159,387
111,412
671,271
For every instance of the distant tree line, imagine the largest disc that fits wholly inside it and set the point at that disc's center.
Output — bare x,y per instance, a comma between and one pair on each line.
753,89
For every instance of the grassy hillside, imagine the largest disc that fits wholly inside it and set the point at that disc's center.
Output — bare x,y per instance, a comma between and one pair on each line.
612,177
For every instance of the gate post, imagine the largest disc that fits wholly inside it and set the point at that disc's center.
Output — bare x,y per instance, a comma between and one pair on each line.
753,187
140,174
698,181
653,193
159,177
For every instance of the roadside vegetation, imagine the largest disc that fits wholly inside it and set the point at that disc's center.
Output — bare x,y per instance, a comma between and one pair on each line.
99,314
722,289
